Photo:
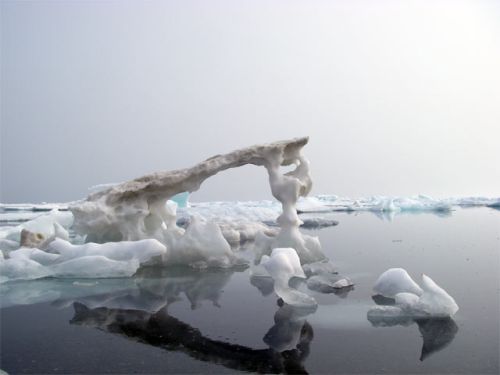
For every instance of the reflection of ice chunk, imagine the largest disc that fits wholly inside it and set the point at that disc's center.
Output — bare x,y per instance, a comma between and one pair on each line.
289,322
394,281
437,334
282,265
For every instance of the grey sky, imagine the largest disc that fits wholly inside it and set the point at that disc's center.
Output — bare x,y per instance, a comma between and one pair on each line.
398,97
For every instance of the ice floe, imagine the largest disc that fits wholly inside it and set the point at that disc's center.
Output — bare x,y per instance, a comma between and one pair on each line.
409,299
63,259
394,281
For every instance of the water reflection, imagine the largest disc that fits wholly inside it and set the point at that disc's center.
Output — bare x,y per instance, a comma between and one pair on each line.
288,339
437,333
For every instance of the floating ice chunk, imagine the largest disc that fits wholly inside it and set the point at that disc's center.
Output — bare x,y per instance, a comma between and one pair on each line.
317,268
63,259
387,316
394,281
21,268
435,301
60,231
238,231
432,301
282,265
142,251
49,225
8,245
42,257
406,300
94,266
327,282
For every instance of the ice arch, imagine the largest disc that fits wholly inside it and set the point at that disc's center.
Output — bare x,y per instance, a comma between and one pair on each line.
138,209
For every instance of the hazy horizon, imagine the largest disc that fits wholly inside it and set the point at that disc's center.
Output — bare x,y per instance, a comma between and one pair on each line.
398,98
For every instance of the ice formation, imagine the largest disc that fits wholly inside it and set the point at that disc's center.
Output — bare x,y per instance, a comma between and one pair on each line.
138,209
410,300
63,259
381,204
328,282
50,226
282,265
394,281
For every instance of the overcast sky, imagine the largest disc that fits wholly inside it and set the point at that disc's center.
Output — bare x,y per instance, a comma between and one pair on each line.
398,97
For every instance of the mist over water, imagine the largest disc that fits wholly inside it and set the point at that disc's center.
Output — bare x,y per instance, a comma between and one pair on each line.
399,98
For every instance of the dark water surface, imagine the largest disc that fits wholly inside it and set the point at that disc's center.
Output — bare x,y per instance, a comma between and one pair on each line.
220,322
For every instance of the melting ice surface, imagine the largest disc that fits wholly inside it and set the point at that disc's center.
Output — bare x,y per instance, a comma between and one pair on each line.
411,300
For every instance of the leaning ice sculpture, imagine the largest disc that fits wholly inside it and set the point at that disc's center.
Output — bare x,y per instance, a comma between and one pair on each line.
140,209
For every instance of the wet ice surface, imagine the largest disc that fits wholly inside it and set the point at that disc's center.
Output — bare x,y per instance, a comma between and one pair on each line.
184,321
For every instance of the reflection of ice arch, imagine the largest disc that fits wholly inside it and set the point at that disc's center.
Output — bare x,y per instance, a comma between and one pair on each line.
163,330
437,333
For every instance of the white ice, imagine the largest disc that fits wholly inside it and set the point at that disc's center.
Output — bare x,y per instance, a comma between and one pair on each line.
201,245
429,301
50,225
282,265
63,259
394,281
140,209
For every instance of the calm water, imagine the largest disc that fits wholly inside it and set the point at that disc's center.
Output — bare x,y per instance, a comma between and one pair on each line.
220,322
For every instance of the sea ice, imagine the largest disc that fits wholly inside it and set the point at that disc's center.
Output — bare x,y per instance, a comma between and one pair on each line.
328,282
64,259
435,301
282,265
49,225
394,281
140,208
94,266
428,301
201,245
143,251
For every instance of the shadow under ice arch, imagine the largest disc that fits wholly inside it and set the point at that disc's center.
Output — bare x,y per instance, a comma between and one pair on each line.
140,209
